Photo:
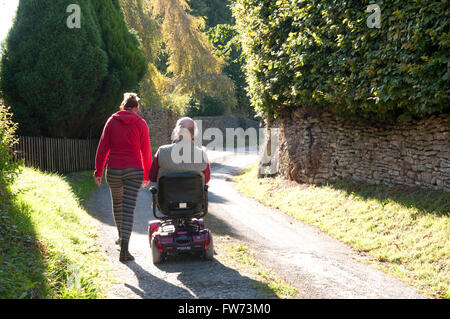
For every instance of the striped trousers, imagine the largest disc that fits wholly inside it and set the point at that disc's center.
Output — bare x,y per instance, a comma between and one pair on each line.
124,185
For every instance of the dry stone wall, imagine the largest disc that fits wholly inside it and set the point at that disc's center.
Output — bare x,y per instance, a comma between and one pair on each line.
160,123
315,148
224,122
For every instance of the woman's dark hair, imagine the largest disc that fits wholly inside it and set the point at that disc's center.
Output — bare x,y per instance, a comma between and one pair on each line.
130,101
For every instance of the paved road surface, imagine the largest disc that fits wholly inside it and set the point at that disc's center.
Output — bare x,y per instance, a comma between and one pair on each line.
316,264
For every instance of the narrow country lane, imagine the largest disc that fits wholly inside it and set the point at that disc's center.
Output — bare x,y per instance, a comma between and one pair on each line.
316,264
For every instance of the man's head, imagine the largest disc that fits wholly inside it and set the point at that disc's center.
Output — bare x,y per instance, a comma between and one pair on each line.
184,127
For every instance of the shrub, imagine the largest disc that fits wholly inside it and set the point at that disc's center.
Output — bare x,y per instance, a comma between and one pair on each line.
8,167
126,61
321,52
207,105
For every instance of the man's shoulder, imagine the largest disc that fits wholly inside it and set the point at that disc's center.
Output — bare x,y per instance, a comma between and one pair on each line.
166,147
169,147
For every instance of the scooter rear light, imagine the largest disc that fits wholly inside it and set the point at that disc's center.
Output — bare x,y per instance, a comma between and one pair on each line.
207,242
153,227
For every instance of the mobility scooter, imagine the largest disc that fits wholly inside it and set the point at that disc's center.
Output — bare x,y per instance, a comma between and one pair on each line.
183,200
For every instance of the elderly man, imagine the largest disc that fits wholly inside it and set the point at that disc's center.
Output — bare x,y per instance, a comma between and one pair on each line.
182,155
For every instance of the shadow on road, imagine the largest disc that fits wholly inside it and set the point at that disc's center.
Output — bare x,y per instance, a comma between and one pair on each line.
214,197
218,169
220,227
99,206
152,287
212,279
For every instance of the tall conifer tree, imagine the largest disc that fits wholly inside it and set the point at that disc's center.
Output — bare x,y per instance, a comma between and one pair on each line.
126,61
62,81
50,73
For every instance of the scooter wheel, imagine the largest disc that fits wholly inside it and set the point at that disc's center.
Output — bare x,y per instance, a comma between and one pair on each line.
157,256
209,253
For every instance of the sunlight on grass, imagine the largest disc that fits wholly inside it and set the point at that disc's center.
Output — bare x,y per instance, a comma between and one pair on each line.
65,235
406,234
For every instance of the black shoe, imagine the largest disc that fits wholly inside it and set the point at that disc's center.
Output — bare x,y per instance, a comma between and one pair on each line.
125,256
124,253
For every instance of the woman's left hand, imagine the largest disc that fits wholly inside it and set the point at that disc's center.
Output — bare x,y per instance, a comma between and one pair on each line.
98,180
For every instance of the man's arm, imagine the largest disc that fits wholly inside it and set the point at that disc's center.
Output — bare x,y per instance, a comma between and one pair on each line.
207,170
154,168
146,151
207,173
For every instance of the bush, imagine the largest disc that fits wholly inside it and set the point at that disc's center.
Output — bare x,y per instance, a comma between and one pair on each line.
206,105
126,60
65,82
8,167
321,52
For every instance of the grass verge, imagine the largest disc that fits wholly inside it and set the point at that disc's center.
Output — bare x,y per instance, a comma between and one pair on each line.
47,244
405,232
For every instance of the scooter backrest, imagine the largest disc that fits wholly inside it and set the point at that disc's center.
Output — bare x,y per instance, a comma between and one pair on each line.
180,194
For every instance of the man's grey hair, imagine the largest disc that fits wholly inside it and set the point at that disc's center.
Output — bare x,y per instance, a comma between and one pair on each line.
180,130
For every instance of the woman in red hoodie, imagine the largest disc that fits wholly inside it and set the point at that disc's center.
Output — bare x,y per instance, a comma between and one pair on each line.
126,140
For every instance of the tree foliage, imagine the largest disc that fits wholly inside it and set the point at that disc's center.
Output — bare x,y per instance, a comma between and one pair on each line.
206,105
181,62
51,79
223,35
191,61
227,45
323,53
61,81
126,61
214,11
139,17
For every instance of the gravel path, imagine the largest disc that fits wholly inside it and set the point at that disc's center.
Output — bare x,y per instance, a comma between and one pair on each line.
316,264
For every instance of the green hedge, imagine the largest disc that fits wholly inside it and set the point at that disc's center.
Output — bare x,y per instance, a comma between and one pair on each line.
322,52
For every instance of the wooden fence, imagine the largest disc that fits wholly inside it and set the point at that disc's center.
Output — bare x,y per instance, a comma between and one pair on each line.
57,154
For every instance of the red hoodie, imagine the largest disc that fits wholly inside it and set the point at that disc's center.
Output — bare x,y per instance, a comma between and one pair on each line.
125,139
